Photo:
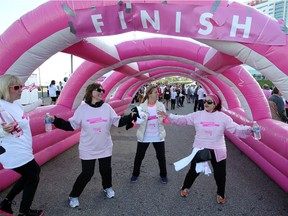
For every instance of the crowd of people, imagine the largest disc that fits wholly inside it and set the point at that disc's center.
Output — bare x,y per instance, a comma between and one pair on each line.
95,118
55,90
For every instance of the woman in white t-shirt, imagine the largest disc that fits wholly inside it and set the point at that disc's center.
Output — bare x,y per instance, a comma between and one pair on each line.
95,118
52,89
151,130
16,139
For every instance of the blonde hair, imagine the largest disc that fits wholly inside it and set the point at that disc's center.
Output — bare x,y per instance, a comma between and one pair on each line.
6,81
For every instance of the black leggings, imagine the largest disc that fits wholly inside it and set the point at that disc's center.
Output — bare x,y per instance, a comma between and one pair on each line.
160,154
219,175
28,183
88,167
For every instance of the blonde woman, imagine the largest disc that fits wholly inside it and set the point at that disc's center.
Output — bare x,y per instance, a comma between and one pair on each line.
151,131
16,139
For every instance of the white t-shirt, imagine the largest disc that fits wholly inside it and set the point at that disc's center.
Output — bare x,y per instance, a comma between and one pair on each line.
95,138
18,149
201,92
52,91
152,130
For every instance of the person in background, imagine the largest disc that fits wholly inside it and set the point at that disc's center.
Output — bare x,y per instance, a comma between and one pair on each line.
277,106
151,130
201,96
95,118
159,92
59,89
166,95
267,91
16,139
65,79
196,97
173,99
182,95
210,125
52,89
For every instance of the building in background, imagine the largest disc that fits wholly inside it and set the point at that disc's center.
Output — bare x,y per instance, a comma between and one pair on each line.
274,8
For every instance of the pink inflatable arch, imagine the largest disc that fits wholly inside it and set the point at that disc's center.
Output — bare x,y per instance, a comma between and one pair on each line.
210,49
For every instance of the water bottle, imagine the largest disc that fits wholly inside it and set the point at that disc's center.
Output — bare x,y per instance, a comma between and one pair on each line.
48,123
256,131
5,117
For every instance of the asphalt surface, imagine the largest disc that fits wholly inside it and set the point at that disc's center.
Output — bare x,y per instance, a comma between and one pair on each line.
249,191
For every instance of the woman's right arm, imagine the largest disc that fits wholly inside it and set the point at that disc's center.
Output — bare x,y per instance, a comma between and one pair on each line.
62,124
181,120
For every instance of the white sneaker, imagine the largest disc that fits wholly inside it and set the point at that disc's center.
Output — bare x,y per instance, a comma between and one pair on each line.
109,192
73,202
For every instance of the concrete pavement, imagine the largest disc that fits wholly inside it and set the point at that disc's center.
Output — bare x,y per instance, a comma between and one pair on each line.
249,191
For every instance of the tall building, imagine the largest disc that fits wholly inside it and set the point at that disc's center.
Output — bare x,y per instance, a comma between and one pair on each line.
275,8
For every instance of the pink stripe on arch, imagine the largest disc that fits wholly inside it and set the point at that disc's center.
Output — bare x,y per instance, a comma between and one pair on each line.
164,46
249,87
227,92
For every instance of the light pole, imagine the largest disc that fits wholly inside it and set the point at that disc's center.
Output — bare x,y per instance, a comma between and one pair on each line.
40,81
71,64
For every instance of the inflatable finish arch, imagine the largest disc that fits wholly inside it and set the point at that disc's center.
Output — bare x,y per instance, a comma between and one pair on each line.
209,49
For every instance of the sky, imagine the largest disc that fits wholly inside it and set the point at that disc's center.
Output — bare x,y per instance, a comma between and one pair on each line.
59,65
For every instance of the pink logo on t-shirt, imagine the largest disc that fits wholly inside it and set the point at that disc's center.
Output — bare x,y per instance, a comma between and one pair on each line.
96,120
152,125
97,130
152,117
25,116
209,124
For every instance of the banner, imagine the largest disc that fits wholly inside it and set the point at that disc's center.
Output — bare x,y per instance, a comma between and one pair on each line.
193,21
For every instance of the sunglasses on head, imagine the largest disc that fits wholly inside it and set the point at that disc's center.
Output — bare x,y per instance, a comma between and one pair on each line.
99,90
16,87
209,102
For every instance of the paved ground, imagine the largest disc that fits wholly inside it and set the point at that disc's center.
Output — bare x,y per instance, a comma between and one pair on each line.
249,191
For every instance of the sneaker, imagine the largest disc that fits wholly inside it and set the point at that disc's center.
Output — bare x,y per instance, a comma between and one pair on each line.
109,192
220,199
73,202
32,212
164,180
133,178
184,192
5,207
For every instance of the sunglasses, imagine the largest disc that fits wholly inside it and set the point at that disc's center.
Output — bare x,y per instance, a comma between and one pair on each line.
208,102
16,87
99,90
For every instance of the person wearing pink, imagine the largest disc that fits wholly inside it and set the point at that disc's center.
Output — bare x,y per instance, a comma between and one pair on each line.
267,91
210,125
151,130
95,118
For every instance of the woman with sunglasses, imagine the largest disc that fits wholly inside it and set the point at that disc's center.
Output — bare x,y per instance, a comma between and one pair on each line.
16,139
210,125
95,118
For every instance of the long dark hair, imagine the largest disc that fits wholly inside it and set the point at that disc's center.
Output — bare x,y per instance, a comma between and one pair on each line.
52,83
219,105
90,88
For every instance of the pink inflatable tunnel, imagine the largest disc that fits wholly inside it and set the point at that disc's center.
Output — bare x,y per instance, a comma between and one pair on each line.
209,50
